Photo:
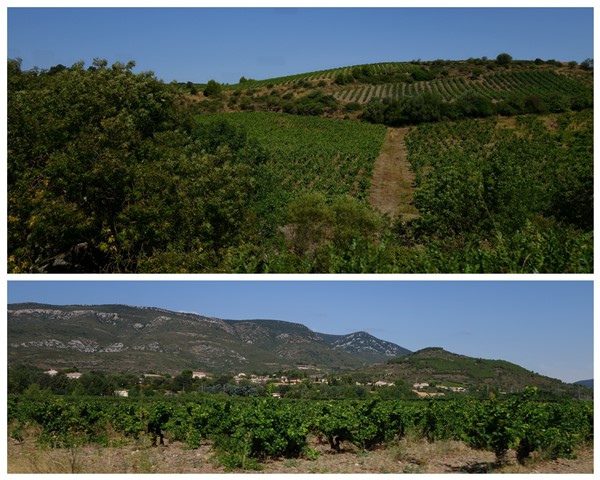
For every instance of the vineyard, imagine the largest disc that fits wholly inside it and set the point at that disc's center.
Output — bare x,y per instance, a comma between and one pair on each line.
502,174
330,156
495,86
246,432
272,176
496,180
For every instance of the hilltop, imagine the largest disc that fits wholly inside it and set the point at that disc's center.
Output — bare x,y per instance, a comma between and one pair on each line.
504,86
437,366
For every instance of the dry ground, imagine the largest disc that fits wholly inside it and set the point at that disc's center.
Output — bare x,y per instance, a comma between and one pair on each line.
407,456
393,182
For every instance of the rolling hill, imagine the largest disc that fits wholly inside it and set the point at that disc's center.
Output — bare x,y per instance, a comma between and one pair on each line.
229,179
449,79
436,366
123,338
586,383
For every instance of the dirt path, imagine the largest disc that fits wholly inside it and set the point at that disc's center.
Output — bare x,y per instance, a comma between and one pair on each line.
393,182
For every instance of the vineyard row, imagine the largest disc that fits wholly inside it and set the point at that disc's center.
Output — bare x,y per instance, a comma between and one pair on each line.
496,86
268,427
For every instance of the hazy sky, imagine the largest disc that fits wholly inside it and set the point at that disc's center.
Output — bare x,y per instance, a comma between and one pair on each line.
544,326
197,44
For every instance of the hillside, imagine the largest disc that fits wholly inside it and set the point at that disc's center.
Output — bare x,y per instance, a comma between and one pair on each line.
474,166
586,383
345,91
437,366
120,338
117,338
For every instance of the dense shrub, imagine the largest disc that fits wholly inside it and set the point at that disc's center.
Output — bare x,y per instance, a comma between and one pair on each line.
105,174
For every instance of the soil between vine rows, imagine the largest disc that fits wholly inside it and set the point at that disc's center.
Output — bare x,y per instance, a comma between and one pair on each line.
392,185
406,456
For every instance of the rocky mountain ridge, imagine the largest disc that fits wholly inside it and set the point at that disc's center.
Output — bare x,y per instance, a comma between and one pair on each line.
120,337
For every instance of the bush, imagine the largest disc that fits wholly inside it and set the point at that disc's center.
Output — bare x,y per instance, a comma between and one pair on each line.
212,89
503,59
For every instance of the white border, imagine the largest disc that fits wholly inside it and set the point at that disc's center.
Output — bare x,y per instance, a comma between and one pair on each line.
261,277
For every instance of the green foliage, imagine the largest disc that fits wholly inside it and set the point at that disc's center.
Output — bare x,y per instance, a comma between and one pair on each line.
212,89
410,110
524,424
587,64
104,175
481,92
108,173
246,433
503,59
96,384
478,189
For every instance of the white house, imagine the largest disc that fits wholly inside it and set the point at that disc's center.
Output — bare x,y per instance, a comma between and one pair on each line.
420,385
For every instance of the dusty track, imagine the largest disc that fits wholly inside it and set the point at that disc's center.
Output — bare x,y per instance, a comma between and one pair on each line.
393,182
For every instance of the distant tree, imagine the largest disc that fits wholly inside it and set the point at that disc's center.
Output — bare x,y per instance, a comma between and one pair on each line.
192,87
472,104
213,89
503,59
343,79
587,64
183,381
22,376
56,69
99,63
96,384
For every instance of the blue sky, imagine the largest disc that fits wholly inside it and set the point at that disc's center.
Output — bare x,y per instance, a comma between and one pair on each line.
198,44
544,326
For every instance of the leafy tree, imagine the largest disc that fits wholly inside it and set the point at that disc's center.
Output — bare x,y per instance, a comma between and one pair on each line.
183,381
105,174
56,69
352,220
22,376
96,384
474,105
192,88
74,140
212,89
587,64
503,59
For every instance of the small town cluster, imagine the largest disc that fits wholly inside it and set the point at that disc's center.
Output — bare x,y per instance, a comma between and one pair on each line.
422,389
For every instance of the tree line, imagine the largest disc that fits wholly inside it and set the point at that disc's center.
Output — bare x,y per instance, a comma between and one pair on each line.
33,381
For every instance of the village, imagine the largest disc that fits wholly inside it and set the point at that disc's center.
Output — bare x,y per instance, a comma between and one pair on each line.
275,385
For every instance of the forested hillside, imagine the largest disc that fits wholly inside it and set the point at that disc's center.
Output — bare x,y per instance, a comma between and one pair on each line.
114,171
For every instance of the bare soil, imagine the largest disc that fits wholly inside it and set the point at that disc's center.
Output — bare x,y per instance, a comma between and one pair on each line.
393,182
406,456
